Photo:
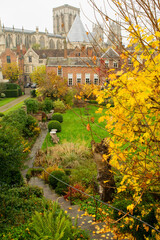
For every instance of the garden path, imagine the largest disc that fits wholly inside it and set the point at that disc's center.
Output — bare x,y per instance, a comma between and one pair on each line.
13,103
84,221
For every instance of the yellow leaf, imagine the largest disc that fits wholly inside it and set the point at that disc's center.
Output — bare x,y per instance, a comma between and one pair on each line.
157,34
106,181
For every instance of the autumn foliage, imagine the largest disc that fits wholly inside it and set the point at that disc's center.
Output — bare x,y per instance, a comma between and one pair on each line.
11,72
49,84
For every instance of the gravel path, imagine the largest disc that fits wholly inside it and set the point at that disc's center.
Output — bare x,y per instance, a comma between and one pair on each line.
13,103
37,145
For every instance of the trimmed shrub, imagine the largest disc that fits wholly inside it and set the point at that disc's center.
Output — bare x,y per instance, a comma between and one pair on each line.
12,86
45,174
58,117
59,187
59,106
3,95
54,125
32,105
12,93
12,90
47,105
53,181
1,114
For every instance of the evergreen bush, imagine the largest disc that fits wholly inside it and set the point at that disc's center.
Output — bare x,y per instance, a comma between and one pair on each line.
54,125
58,117
32,105
59,106
59,187
47,105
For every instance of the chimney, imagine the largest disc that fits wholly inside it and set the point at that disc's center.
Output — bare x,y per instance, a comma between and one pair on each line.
23,49
18,49
65,49
90,51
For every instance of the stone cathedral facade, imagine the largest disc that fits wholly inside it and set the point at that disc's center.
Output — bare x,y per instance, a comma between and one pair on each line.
63,18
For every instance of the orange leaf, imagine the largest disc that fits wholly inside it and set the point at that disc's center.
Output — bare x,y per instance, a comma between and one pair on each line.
88,127
92,119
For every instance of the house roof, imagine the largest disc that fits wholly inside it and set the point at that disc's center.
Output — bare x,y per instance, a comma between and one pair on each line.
70,61
77,32
110,53
25,31
46,53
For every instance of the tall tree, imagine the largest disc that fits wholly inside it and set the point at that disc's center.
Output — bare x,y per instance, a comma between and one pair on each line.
49,84
11,72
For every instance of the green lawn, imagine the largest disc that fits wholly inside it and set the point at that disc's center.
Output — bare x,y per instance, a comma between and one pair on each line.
73,129
5,101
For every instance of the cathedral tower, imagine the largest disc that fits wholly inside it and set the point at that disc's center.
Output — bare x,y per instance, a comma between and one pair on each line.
114,35
63,18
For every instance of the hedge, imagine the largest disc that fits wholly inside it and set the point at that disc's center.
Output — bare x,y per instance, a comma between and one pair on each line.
13,93
12,90
12,86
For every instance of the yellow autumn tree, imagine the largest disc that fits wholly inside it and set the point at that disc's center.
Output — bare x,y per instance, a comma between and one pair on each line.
49,84
133,123
11,71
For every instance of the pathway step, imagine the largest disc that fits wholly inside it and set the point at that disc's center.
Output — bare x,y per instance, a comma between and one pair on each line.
84,221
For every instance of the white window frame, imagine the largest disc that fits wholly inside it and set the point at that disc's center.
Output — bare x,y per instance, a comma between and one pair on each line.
79,77
106,63
96,79
70,79
115,64
59,74
87,77
129,61
27,68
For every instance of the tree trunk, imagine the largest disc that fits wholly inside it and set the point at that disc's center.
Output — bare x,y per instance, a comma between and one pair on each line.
105,176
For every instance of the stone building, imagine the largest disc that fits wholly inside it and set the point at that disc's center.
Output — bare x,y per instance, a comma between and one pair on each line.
68,42
114,34
37,57
63,18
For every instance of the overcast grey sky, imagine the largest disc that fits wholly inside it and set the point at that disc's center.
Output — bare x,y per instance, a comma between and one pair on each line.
32,13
